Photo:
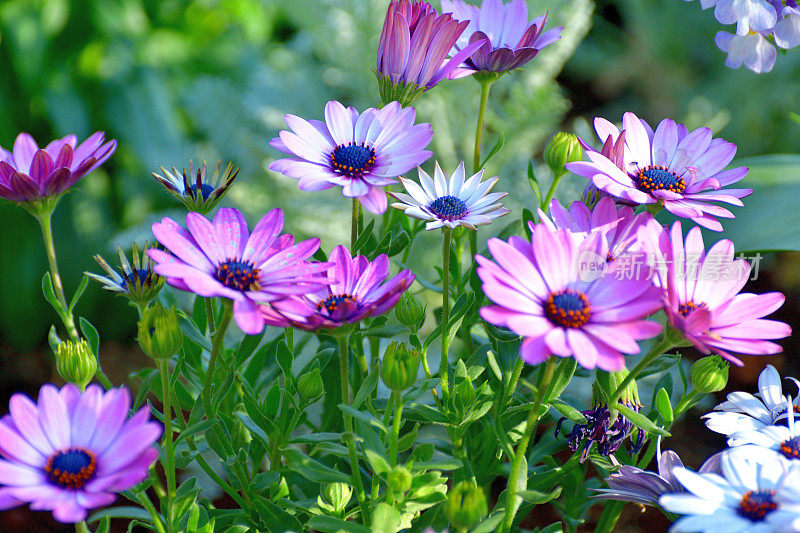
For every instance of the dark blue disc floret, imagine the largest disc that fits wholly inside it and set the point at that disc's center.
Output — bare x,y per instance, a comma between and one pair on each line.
353,160
71,468
791,448
333,302
449,208
205,189
568,308
756,505
238,275
655,178
129,278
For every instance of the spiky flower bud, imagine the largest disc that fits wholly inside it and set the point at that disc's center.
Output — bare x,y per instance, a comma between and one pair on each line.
710,374
160,335
400,366
76,363
134,279
564,148
195,189
465,506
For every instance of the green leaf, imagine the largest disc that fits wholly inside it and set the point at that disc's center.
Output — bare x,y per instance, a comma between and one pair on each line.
538,498
91,335
534,184
379,465
78,292
661,364
53,339
329,524
278,519
385,519
641,421
363,237
50,294
363,416
311,469
568,411
495,149
366,388
664,406
246,348
285,357
254,429
131,513
192,332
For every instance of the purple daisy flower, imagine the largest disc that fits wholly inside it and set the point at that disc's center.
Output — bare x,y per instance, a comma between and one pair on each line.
362,153
702,298
510,40
541,295
29,173
671,166
221,258
412,53
356,289
72,451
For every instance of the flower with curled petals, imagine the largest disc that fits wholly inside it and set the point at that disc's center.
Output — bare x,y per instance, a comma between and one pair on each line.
71,451
702,298
29,173
681,170
361,153
539,294
222,258
511,40
451,202
356,289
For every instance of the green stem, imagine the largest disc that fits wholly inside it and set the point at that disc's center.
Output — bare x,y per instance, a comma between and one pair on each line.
167,442
398,413
344,353
210,315
151,510
476,154
552,190
687,402
522,447
354,224
519,364
227,313
47,233
663,346
443,377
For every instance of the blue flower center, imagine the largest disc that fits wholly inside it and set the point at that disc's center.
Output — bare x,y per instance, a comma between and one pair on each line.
332,302
448,208
205,190
791,448
755,505
655,178
71,468
688,307
568,308
238,275
130,278
353,160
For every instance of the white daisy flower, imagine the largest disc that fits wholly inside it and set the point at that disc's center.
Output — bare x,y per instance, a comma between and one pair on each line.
756,493
746,412
784,440
452,203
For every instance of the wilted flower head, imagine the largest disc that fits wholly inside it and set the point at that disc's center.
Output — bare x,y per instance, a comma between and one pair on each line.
541,294
30,173
599,429
702,298
451,202
356,289
222,258
361,153
195,189
138,282
670,166
412,53
510,40
72,451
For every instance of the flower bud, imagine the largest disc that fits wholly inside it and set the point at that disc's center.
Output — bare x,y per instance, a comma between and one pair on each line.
309,386
400,366
338,495
465,506
410,312
76,363
399,479
160,335
564,148
710,374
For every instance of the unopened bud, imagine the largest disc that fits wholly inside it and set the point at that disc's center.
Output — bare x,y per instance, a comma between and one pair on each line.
564,148
410,312
400,366
338,495
160,335
399,479
76,363
465,506
710,374
309,386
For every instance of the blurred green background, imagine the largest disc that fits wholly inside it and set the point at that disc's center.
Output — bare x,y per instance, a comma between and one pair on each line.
173,80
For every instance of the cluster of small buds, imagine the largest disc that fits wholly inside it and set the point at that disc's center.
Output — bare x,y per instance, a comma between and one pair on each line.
759,24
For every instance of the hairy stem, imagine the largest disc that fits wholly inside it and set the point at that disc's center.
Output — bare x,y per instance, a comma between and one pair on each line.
227,313
167,442
443,377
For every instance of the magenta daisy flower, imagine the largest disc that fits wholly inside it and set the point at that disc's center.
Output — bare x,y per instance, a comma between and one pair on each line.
361,153
356,289
72,451
222,258
541,296
680,169
29,173
510,40
412,53
703,299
